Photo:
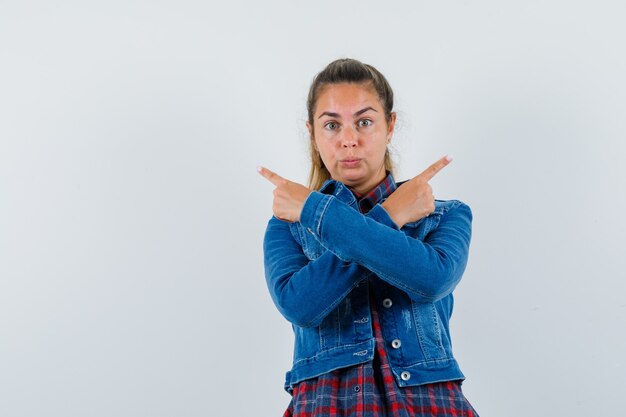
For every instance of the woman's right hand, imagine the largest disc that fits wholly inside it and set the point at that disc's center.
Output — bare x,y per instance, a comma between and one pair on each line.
289,196
414,199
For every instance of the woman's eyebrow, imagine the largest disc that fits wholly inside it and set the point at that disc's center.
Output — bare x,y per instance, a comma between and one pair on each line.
330,114
360,112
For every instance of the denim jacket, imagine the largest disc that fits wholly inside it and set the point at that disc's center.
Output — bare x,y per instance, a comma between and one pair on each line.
320,272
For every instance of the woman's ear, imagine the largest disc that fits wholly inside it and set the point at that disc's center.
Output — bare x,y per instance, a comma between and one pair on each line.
391,126
311,138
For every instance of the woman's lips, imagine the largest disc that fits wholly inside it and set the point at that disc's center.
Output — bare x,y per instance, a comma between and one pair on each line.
350,162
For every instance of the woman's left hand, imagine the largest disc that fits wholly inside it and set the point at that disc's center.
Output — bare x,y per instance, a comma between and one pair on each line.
289,196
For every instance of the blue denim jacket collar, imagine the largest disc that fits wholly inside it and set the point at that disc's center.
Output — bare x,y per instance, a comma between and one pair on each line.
339,190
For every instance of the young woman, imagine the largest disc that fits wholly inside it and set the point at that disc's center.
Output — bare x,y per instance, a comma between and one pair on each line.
364,268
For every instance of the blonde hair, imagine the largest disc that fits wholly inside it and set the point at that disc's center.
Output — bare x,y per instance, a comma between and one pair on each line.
344,70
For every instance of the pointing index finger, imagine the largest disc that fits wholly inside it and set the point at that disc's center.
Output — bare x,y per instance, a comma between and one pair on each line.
271,176
432,170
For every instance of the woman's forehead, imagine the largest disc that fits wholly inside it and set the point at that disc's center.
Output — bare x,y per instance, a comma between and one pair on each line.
347,98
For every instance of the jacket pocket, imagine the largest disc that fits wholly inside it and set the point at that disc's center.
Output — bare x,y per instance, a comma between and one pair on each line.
329,330
429,329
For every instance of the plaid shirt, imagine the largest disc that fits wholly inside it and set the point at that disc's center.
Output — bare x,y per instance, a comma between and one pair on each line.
380,192
369,389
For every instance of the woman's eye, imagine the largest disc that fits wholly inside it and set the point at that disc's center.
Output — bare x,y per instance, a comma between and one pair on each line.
331,125
364,122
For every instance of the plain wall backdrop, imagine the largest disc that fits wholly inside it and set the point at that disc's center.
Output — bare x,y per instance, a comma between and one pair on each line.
132,216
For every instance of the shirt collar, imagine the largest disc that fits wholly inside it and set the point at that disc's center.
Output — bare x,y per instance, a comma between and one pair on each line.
379,193
363,203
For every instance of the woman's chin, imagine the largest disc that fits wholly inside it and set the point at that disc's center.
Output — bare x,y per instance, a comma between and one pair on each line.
351,180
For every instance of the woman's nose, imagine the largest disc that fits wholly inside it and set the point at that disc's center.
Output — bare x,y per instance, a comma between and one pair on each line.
349,138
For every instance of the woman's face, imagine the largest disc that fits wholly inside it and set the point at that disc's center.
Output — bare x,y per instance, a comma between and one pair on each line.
351,134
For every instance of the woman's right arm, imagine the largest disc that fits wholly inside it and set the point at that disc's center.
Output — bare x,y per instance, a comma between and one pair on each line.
305,291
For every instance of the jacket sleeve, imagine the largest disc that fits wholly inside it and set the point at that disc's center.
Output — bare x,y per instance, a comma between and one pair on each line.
426,270
306,291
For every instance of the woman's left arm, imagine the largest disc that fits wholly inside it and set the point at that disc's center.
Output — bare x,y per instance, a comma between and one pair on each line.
427,270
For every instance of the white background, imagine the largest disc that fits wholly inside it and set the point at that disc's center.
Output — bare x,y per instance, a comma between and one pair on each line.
131,214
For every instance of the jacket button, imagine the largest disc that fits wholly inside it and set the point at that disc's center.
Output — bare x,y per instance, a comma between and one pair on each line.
396,343
387,303
405,375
